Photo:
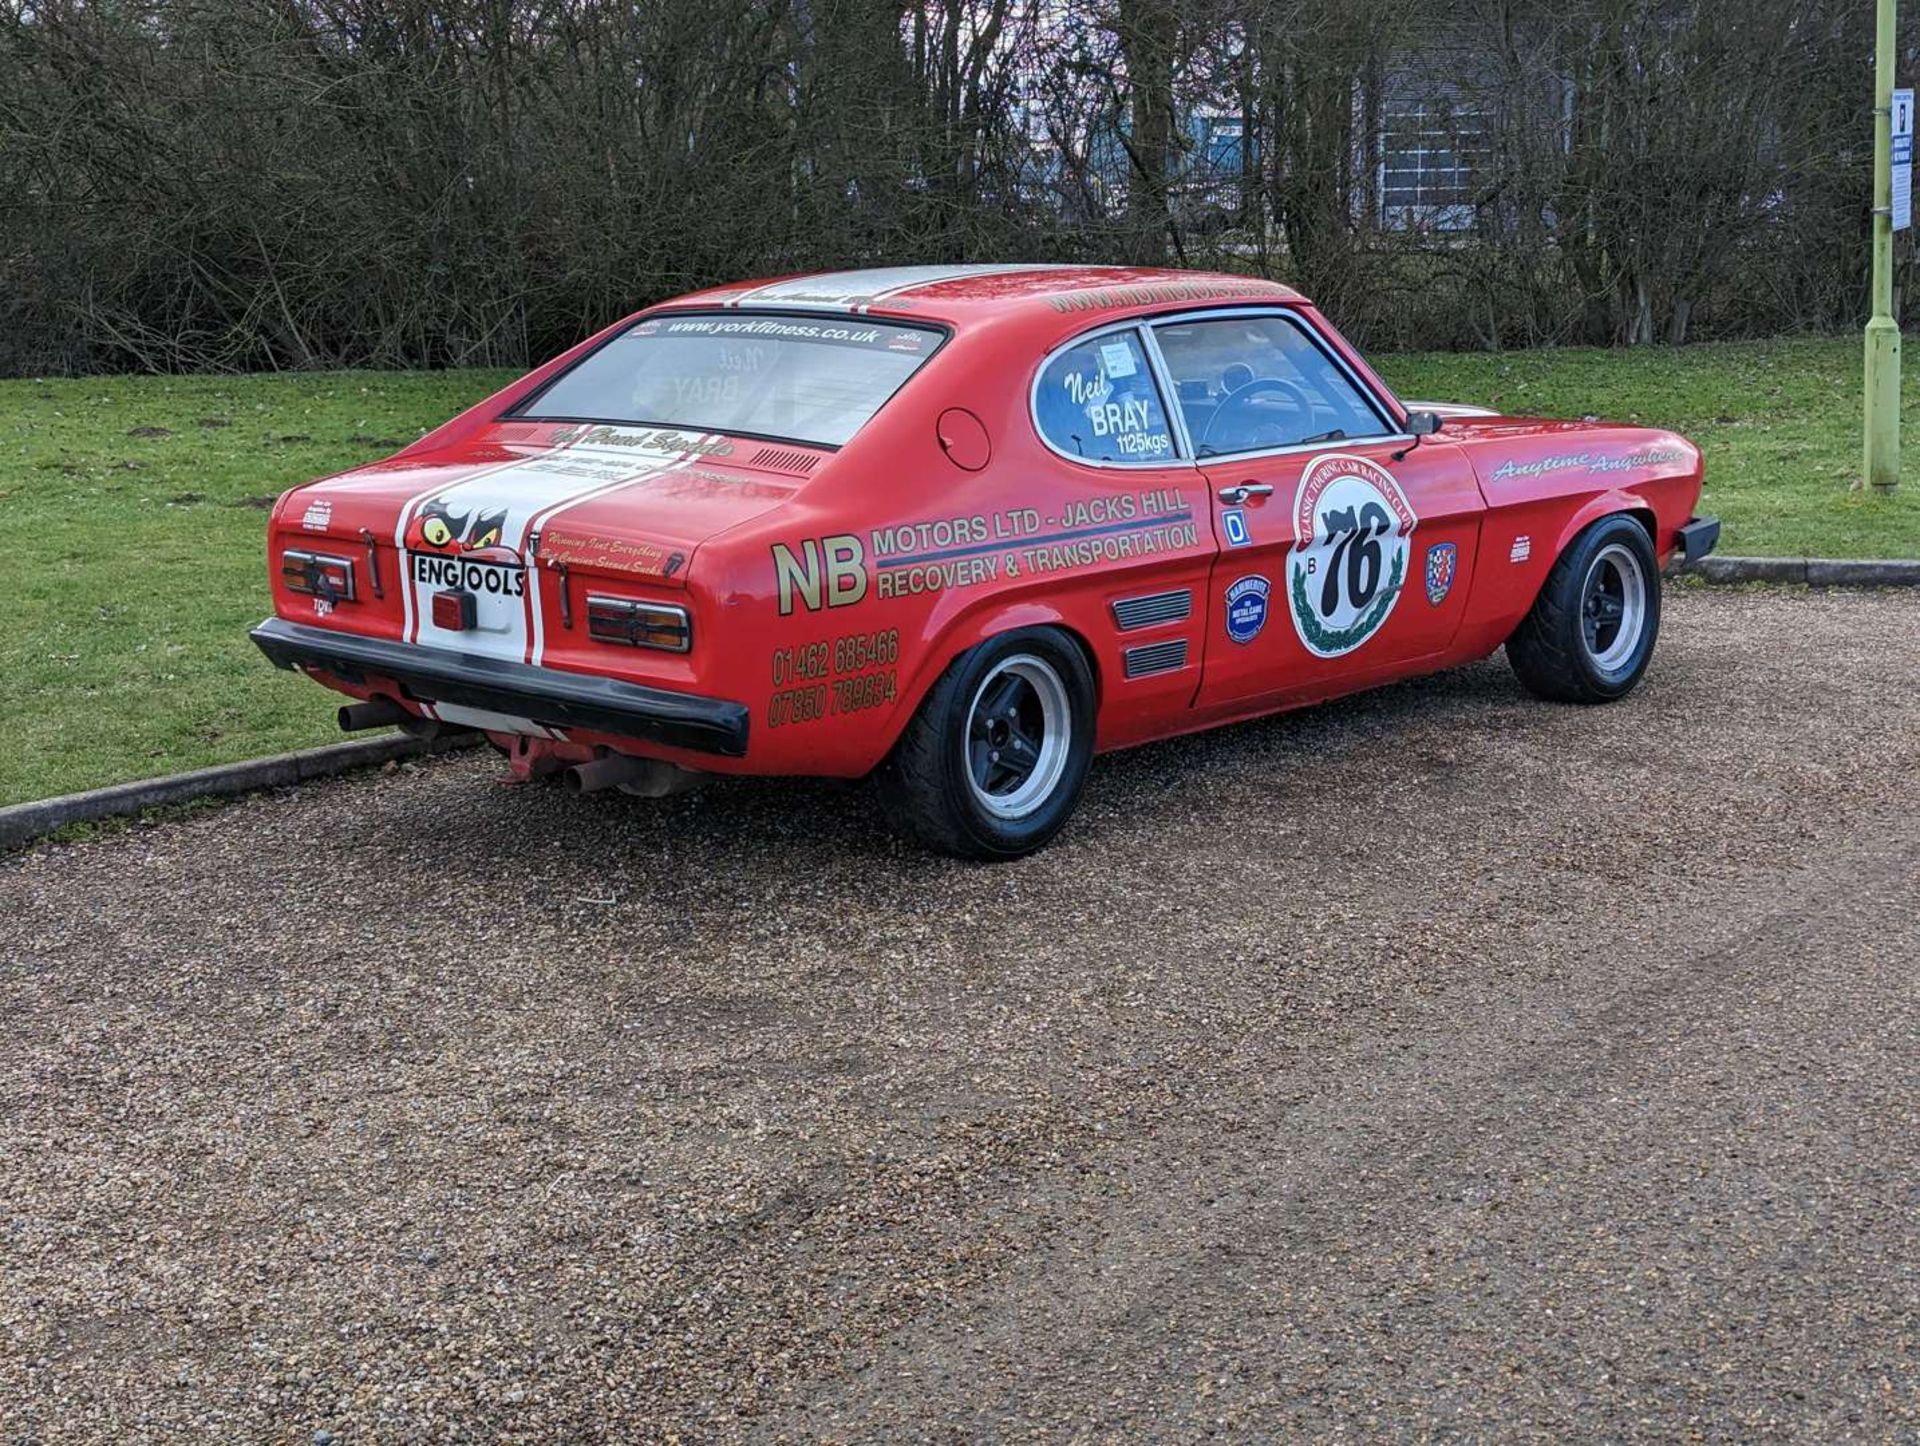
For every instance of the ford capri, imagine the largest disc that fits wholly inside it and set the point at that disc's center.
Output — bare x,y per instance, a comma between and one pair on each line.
962,528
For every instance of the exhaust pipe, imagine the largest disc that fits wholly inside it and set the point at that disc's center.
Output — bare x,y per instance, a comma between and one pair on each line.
380,713
384,712
616,770
644,777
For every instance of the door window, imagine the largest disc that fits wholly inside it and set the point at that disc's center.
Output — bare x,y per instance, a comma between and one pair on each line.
1252,383
1097,401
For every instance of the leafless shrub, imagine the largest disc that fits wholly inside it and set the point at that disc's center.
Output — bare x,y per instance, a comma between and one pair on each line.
248,184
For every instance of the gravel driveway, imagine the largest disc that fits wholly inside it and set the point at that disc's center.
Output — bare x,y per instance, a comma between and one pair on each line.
1436,1062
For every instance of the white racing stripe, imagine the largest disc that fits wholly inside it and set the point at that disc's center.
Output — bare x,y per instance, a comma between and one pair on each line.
400,542
524,490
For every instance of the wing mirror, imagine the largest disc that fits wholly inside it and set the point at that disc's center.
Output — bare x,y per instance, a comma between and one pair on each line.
1420,424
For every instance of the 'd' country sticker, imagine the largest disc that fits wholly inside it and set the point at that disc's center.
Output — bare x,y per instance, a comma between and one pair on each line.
1345,573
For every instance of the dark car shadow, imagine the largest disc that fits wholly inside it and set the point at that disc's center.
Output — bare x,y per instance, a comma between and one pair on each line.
798,827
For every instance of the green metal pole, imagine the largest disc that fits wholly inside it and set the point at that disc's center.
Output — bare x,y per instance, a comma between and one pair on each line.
1883,332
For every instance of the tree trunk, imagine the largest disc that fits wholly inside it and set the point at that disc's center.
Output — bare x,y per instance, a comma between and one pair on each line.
1682,315
1149,35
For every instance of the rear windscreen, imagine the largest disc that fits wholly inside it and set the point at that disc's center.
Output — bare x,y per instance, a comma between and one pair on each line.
801,379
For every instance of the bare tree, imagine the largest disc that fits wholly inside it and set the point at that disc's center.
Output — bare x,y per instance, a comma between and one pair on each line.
308,183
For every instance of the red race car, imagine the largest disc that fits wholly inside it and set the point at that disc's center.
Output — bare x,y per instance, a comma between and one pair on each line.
967,526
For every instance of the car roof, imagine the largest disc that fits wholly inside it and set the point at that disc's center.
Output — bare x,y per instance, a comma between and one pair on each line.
963,293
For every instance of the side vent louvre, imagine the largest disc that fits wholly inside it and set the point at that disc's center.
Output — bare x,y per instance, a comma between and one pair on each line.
1151,658
783,459
1152,610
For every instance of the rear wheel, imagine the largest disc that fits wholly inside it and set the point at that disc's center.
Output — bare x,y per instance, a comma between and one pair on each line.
1592,629
994,760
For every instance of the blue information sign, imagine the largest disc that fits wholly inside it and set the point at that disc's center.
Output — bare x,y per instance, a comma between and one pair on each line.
1902,159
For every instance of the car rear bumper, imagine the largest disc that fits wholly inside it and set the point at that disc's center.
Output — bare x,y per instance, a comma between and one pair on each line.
545,695
1699,537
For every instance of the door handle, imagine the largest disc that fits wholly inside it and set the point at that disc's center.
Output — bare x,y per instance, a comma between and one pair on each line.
1241,491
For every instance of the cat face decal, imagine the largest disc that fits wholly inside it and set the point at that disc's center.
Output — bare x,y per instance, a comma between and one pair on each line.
437,527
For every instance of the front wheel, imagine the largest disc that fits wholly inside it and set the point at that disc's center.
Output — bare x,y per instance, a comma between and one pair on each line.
1591,631
994,760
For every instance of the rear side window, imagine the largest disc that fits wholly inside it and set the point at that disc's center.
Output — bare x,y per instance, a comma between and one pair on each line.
1097,401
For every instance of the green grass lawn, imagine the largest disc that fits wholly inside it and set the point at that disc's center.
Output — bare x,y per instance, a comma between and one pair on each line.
132,520
1779,423
133,561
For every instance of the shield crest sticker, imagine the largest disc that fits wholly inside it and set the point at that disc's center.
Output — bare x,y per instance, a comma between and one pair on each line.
1443,560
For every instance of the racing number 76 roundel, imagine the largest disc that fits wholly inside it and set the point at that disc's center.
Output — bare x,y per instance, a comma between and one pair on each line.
1353,527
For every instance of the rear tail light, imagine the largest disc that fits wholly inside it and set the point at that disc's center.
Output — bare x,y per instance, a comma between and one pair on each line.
318,574
638,624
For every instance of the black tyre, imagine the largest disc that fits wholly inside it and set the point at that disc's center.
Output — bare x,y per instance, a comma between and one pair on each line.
994,760
1592,629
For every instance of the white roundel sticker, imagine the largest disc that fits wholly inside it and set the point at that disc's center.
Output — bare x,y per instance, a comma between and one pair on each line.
1354,528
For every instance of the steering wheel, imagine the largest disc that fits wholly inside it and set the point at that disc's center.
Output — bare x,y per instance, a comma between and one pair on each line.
1240,396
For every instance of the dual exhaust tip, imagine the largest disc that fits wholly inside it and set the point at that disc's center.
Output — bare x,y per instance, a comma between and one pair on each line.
384,713
643,777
